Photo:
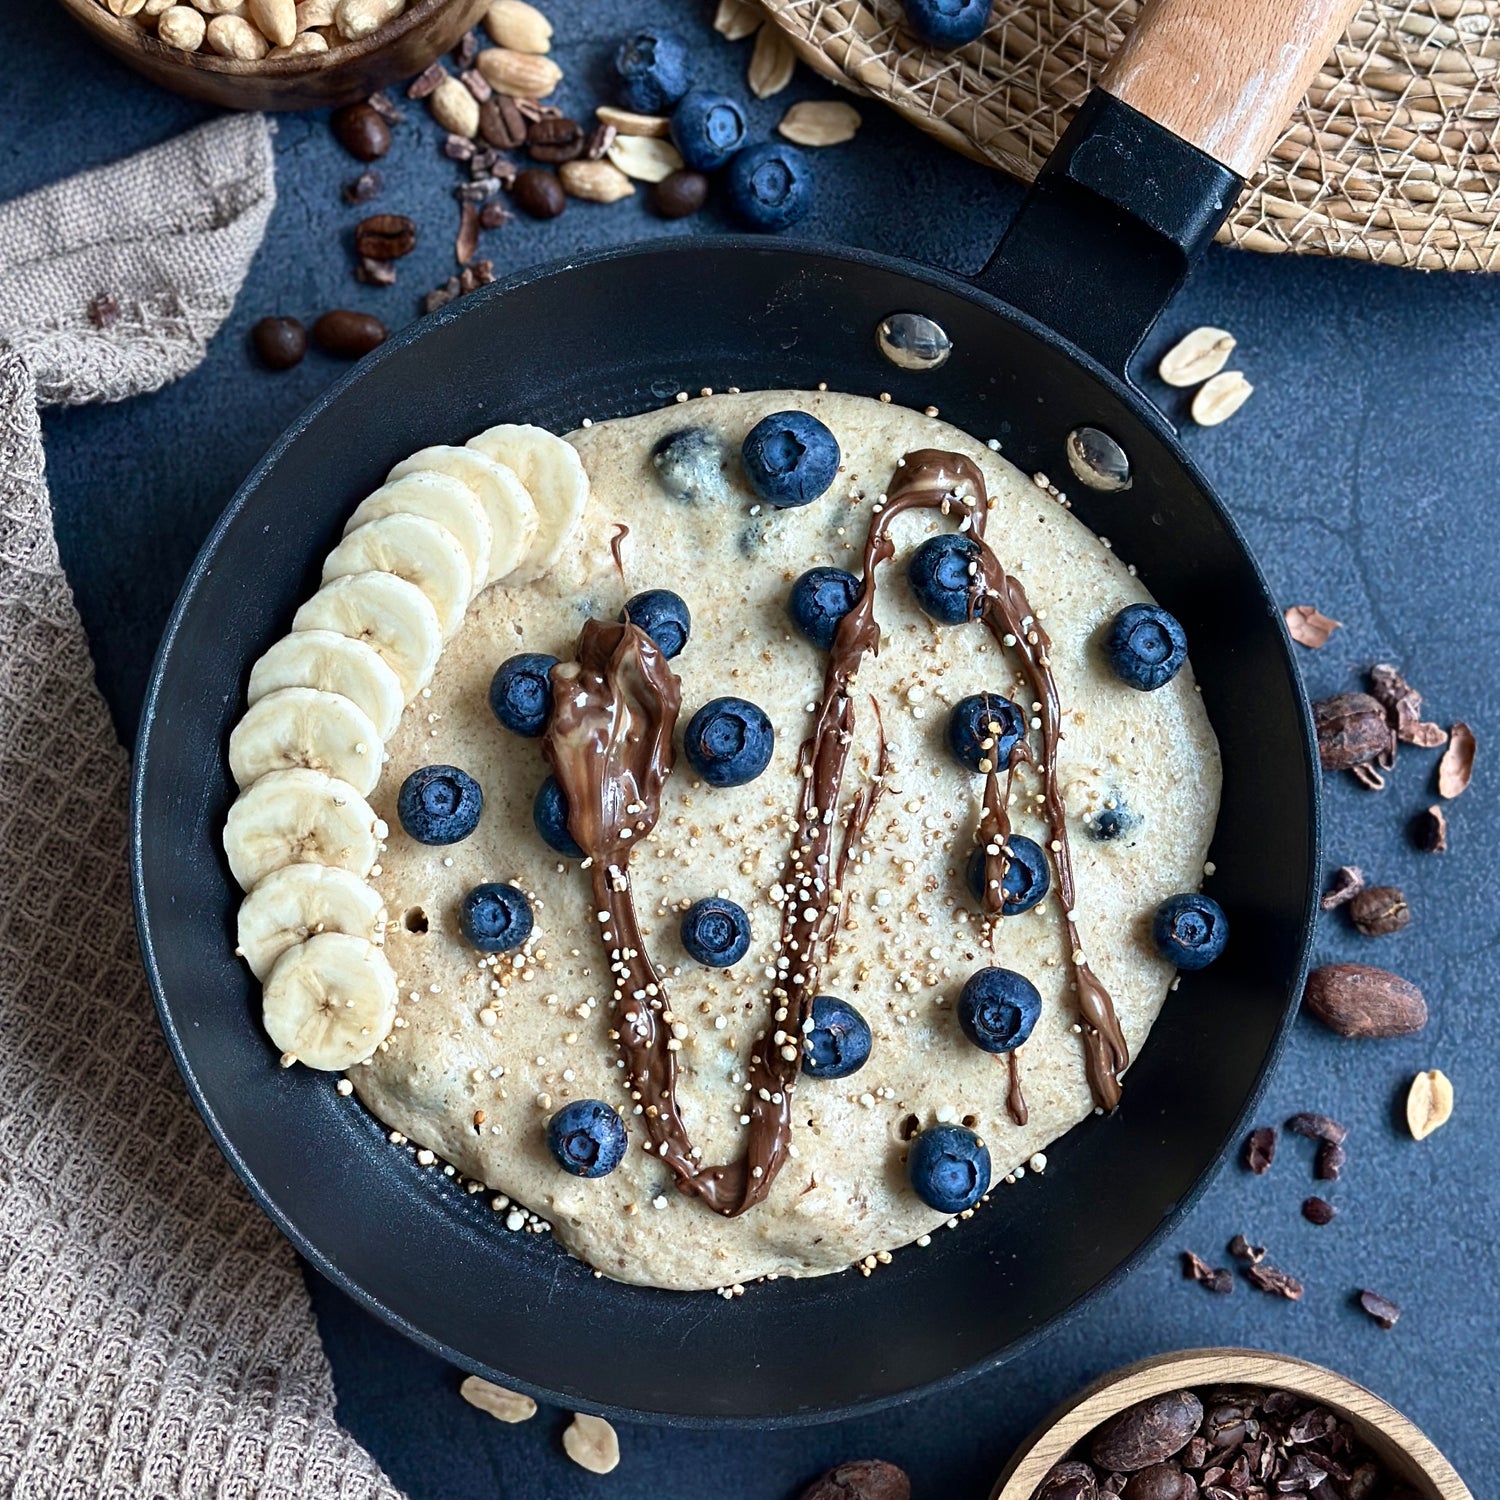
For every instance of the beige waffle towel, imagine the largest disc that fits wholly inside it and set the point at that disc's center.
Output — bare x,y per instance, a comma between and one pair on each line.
155,1334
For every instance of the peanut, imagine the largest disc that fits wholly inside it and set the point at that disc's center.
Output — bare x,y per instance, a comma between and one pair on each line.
220,7
302,45
455,108
595,181
277,20
123,7
234,36
183,27
311,13
155,8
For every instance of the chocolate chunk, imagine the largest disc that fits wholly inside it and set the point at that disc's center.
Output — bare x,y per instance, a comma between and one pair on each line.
493,214
1309,626
1357,1001
385,237
1457,765
539,194
1242,1249
1277,1283
1348,881
1215,1279
1260,1149
1318,1211
361,132
863,1479
501,124
1314,1127
1382,1309
1379,910
364,187
1150,1432
1071,1479
555,139
1329,1166
1353,731
104,311
348,335
280,342
427,81
1430,831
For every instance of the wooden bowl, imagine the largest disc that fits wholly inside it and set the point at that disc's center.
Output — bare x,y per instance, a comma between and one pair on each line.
338,76
1402,1447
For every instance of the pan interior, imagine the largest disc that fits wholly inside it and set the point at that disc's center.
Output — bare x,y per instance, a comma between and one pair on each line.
619,334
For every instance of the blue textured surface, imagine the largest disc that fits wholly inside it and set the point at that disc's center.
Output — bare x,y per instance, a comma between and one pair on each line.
1362,472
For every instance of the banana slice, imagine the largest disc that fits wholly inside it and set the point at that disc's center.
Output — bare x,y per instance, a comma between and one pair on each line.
441,498
553,474
300,818
297,902
513,516
390,614
413,548
306,727
332,663
330,1002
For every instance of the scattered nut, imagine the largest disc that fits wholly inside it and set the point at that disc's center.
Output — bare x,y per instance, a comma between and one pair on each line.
1196,356
503,1405
455,108
518,75
595,181
627,122
1220,398
521,27
1429,1103
820,122
736,19
646,158
772,63
591,1443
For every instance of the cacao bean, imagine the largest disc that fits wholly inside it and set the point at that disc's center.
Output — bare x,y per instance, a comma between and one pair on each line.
1161,1482
1358,1001
1379,910
1353,731
863,1479
1150,1432
1068,1480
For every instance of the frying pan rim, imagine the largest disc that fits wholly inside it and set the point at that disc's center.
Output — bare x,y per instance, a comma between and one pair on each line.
202,564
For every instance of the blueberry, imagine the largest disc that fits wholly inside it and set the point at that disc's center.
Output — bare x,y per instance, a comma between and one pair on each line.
716,932
664,616
839,1042
1145,646
947,23
654,70
819,599
550,815
770,186
969,728
690,465
939,576
587,1137
495,918
439,804
729,741
998,1008
1190,930
790,458
1108,823
1027,878
949,1168
708,129
521,693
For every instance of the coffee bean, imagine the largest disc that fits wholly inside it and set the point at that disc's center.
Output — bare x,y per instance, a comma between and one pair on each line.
554,139
1150,1432
1380,910
501,124
1068,1480
1160,1482
280,342
348,335
361,132
863,1479
678,195
539,194
385,237
1358,1001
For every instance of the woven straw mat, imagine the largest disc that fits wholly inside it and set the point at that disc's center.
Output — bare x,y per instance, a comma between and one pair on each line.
1392,157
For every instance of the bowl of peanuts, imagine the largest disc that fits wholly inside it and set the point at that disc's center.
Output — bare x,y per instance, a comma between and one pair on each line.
276,54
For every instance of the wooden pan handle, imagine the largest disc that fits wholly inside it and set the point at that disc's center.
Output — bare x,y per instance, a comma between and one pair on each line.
1225,75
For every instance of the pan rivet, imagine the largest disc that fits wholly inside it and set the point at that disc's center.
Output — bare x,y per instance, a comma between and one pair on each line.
913,342
1098,460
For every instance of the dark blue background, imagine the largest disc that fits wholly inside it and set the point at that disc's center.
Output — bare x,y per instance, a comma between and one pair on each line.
1363,471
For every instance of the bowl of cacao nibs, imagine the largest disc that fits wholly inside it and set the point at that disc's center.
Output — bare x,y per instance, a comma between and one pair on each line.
276,54
1228,1424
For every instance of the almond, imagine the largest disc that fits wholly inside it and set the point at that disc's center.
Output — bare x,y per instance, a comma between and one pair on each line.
1358,1001
455,108
1429,1103
521,27
594,181
645,158
736,19
518,75
820,122
1193,358
503,1405
277,20
1220,398
627,122
771,63
591,1443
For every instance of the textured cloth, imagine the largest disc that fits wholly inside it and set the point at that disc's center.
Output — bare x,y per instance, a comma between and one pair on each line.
155,1334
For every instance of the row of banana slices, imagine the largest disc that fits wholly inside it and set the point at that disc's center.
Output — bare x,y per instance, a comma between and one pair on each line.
301,838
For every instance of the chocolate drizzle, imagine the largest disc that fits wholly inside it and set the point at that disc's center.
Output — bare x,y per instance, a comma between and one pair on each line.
1015,1100
610,745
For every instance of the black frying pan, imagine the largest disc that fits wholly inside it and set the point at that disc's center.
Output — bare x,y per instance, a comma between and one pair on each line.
1105,237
